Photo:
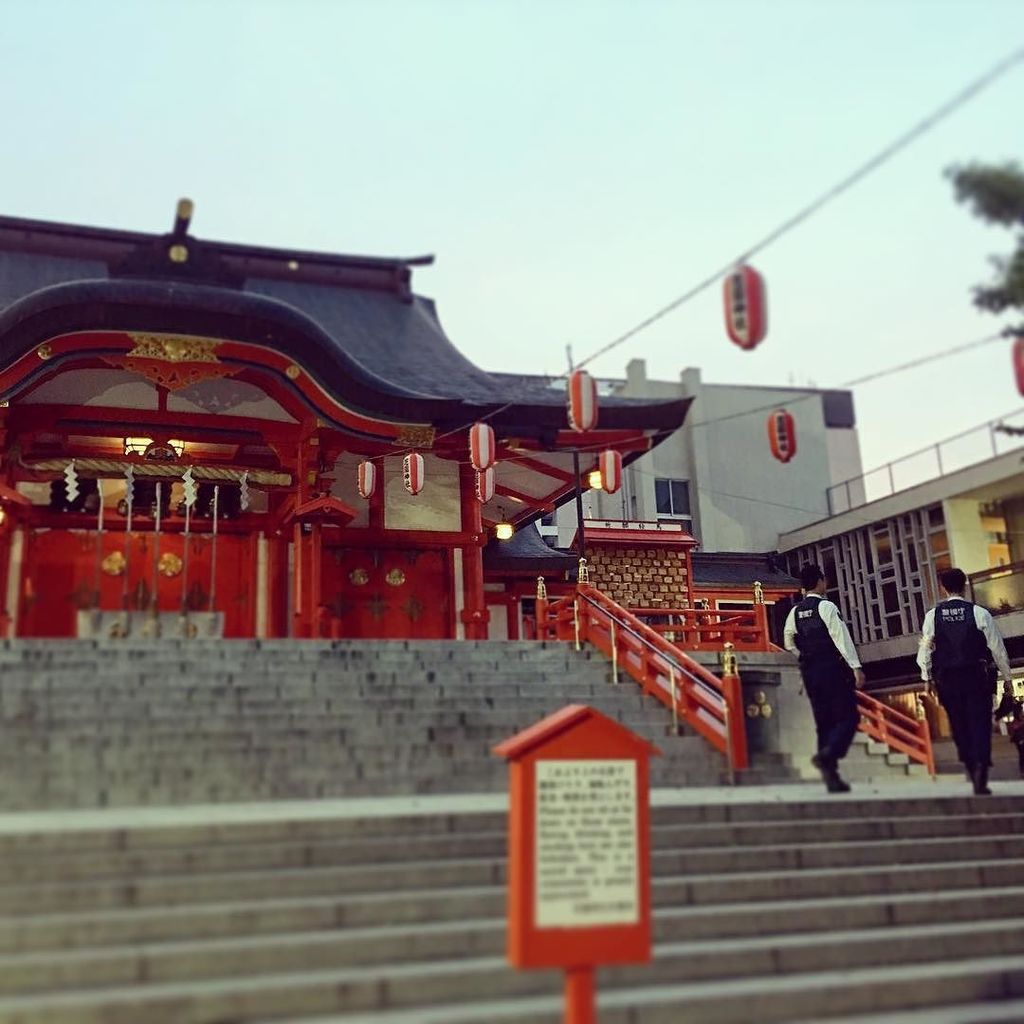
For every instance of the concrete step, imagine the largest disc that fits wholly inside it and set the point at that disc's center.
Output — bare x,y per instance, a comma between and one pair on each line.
815,997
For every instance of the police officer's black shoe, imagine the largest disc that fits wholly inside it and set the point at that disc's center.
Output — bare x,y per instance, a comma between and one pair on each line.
835,784
980,779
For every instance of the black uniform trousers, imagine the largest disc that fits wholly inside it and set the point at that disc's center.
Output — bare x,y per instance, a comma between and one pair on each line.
966,694
833,697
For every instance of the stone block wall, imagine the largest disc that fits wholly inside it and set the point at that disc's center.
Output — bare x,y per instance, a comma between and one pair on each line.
639,577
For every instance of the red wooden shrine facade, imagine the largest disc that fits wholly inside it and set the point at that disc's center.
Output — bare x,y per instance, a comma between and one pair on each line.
244,386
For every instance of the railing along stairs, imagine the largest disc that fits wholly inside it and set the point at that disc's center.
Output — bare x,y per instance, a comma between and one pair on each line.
904,733
713,707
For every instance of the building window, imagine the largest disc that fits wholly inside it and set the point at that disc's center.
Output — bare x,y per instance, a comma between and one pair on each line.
672,498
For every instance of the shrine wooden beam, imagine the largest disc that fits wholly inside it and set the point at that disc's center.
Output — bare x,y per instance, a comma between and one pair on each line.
527,499
542,467
99,420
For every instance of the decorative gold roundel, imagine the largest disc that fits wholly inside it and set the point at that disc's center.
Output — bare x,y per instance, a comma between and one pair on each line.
169,565
359,577
395,578
292,372
114,563
178,253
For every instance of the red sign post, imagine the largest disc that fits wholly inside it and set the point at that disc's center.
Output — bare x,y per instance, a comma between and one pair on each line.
579,880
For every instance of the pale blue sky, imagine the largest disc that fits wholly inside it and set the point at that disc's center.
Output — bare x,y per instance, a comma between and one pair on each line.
574,165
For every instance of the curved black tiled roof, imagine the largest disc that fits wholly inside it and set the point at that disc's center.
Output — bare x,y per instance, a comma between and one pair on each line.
352,321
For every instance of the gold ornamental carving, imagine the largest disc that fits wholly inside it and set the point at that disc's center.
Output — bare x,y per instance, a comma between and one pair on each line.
114,564
416,437
174,348
45,351
169,565
395,578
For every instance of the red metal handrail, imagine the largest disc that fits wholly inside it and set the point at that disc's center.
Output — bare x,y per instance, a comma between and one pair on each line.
711,706
709,629
897,729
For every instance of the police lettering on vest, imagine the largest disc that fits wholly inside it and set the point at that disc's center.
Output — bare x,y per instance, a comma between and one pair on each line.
813,639
959,644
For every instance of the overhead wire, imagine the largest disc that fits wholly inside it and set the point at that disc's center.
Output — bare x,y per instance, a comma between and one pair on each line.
901,142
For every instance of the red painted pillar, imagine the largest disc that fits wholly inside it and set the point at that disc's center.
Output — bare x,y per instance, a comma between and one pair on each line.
298,581
316,577
579,995
474,611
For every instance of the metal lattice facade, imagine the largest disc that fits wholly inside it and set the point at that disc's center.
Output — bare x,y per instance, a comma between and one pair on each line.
882,576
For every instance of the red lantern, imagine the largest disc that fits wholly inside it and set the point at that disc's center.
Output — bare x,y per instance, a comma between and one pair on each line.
412,473
485,486
746,307
782,435
1018,362
582,396
482,450
367,479
610,464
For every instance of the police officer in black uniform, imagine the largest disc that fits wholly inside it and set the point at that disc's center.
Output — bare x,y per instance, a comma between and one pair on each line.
958,639
831,671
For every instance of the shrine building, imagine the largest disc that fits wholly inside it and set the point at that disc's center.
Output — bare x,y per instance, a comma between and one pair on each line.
182,424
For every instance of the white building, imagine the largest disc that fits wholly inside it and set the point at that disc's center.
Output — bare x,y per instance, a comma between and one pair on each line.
717,474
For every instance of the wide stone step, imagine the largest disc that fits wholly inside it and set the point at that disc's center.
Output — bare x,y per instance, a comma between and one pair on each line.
730,879
405,939
70,865
393,985
811,998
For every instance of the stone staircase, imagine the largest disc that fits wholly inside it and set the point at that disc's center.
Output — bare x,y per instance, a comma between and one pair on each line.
889,908
89,723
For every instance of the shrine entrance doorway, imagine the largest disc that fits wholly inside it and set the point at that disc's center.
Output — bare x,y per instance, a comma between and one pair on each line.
388,593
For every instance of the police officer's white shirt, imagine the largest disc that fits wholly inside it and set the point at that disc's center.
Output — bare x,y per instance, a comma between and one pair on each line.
983,620
836,629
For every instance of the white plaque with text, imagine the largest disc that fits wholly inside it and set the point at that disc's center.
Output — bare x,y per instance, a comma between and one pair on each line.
587,870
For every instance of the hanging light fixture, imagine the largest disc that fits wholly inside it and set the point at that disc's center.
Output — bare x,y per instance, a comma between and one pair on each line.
610,471
485,486
782,435
483,452
594,479
746,307
581,395
367,479
412,472
504,531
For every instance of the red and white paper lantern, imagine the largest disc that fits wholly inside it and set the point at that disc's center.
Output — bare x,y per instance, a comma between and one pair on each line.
746,307
610,465
582,400
412,473
782,435
367,479
485,486
483,452
1018,362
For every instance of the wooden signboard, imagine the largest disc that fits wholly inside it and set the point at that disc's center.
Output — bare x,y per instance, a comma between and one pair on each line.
579,890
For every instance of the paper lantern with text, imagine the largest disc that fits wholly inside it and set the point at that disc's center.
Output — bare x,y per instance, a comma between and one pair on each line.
746,307
582,400
367,479
483,452
782,435
485,486
610,464
1018,362
412,473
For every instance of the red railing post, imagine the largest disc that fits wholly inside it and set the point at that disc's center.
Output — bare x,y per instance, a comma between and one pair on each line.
732,691
762,640
541,609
